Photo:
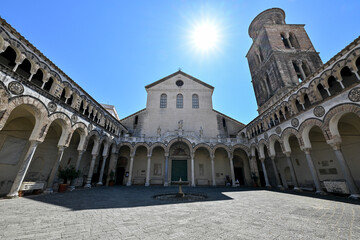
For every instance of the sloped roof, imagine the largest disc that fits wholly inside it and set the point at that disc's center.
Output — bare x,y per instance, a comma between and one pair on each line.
176,73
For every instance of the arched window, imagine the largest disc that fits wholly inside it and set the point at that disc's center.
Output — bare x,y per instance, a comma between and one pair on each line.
285,41
179,101
163,100
195,101
293,41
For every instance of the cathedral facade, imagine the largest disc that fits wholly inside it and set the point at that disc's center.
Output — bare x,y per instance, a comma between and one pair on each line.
306,136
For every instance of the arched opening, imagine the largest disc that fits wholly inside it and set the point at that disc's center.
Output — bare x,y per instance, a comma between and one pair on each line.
24,69
81,108
294,42
260,168
163,100
324,158
269,167
122,166
157,167
334,86
136,121
281,163
222,167
299,107
306,69
284,40
70,100
357,64
179,101
202,167
307,102
301,167
298,72
45,155
62,96
349,129
195,101
269,85
14,141
322,91
287,113
348,77
140,165
8,57
37,79
48,84
261,54
241,167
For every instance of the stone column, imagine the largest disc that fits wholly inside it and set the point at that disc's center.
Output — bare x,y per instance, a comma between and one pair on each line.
130,170
292,171
147,182
346,171
278,182
91,171
212,156
166,180
313,170
192,170
49,188
267,184
14,191
80,155
100,183
112,166
232,169
255,170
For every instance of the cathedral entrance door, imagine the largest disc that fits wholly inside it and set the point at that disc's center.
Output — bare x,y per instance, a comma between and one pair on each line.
239,175
179,170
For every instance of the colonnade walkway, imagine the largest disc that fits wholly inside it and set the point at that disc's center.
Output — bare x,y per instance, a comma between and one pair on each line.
132,213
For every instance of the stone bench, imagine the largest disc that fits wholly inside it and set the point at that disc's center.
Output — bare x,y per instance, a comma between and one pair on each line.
29,186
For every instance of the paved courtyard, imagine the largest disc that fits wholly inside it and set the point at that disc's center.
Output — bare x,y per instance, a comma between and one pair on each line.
132,213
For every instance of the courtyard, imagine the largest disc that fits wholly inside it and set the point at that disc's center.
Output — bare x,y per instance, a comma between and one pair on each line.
133,213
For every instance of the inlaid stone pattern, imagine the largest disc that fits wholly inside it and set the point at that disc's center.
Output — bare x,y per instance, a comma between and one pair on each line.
52,106
295,122
278,130
266,136
354,94
74,118
319,111
16,88
90,127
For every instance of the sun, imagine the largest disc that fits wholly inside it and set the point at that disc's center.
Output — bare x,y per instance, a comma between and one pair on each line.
205,36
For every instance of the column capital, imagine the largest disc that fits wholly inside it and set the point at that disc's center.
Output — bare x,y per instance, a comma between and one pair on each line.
306,150
262,159
149,155
335,142
287,153
62,147
166,154
272,157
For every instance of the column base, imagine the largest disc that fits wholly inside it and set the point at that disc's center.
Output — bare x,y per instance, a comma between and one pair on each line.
355,196
268,186
321,193
166,184
128,184
297,189
193,185
88,185
280,187
49,191
147,184
99,184
12,195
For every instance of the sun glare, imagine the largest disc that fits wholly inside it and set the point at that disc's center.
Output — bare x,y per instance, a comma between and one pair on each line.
205,36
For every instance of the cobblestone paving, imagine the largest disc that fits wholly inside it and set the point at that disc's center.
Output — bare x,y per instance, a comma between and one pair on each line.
132,213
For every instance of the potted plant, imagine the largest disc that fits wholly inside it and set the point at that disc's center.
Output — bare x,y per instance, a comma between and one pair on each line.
67,174
112,180
254,177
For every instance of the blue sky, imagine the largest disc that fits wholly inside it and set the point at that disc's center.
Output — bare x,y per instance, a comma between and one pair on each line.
114,48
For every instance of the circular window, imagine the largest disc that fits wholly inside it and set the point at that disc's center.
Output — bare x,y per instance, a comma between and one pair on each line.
179,83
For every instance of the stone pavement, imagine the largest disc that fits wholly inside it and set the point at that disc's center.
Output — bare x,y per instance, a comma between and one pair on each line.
132,213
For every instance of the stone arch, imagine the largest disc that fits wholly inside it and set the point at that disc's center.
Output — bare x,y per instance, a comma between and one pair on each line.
262,143
129,145
141,144
36,105
83,134
220,145
65,124
352,57
337,68
272,140
333,116
305,128
286,135
203,145
242,147
107,142
96,141
253,149
175,140
155,145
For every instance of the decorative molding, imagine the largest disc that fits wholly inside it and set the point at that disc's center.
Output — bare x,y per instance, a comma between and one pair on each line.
74,118
52,106
319,111
354,94
278,130
295,122
16,88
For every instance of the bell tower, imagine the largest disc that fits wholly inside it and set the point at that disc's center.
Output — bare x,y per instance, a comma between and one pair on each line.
280,57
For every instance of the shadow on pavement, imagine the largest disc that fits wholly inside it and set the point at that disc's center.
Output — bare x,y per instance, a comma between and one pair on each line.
139,196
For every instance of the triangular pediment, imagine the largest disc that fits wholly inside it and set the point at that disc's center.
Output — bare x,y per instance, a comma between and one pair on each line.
179,73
